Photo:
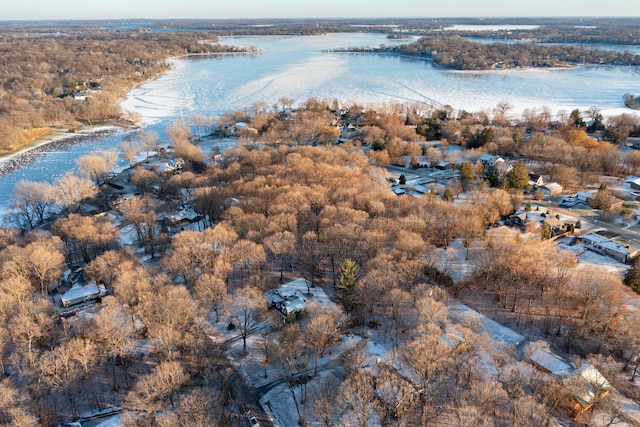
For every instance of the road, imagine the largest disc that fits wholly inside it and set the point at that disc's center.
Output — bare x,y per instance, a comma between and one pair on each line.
246,396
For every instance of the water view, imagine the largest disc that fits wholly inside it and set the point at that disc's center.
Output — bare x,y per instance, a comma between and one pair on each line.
299,67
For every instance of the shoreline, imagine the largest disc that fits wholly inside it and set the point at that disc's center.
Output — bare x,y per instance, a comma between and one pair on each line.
57,135
10,161
171,67
443,67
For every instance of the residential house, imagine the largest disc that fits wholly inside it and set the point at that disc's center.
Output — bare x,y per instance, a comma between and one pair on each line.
443,165
550,189
632,182
582,386
573,202
488,160
550,362
288,302
556,226
586,386
523,218
82,293
172,166
179,220
535,180
585,196
606,243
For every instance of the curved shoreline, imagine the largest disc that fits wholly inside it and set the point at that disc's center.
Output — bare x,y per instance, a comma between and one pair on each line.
13,161
93,130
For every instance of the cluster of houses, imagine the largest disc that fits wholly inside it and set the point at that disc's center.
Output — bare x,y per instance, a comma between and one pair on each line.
526,218
581,386
431,174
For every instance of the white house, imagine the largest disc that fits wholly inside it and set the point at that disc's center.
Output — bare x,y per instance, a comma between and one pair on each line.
286,301
79,294
632,182
607,246
550,189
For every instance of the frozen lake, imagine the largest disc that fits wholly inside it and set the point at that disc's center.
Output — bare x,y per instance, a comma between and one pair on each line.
297,67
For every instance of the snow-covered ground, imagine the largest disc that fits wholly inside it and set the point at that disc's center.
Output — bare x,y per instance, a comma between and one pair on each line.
587,257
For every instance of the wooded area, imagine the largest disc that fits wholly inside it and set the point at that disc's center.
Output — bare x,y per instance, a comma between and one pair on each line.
302,208
65,79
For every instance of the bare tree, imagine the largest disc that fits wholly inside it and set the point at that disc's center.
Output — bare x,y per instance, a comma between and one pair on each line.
212,290
144,179
396,394
322,331
324,400
106,267
130,150
85,237
71,189
157,390
500,112
14,406
247,304
114,335
149,141
30,203
201,407
357,398
96,166
45,261
397,302
142,214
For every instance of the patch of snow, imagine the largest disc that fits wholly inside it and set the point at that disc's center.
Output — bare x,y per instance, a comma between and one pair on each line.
481,324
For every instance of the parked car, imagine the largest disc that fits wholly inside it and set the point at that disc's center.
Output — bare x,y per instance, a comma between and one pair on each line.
253,421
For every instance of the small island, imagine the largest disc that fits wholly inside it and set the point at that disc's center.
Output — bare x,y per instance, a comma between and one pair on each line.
459,53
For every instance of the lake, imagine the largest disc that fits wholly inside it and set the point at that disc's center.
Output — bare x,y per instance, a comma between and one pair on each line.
299,68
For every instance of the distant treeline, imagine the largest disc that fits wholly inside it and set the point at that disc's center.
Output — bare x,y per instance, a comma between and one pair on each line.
550,30
461,54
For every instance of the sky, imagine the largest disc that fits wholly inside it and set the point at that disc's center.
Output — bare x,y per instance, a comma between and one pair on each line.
216,9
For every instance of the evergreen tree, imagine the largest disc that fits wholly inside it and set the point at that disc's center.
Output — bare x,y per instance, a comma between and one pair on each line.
402,180
518,178
632,278
492,176
578,224
467,174
575,118
346,283
448,195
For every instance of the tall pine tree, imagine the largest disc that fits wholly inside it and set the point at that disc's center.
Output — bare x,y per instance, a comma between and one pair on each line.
346,283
